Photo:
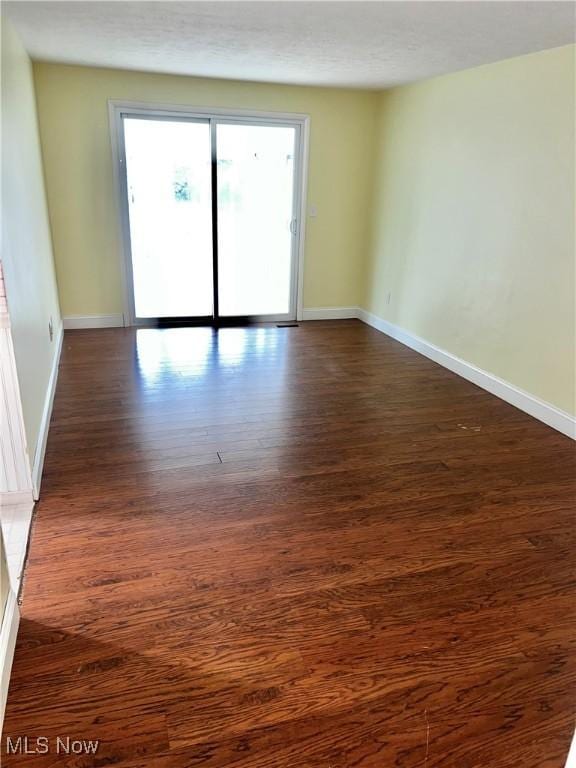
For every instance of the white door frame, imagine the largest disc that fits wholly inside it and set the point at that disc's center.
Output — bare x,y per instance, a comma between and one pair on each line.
301,122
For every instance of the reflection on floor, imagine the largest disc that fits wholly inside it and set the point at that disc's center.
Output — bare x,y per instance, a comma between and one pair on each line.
309,547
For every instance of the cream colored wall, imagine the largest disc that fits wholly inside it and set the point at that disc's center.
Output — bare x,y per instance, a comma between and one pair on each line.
26,242
72,105
473,218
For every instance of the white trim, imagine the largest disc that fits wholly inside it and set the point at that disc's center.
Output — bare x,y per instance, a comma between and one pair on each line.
303,160
187,109
15,472
93,321
8,632
571,759
15,521
11,498
330,313
539,409
40,451
301,123
120,206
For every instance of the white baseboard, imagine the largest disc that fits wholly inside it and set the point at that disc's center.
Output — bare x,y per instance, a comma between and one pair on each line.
330,313
40,451
15,521
571,759
93,321
8,632
13,498
539,409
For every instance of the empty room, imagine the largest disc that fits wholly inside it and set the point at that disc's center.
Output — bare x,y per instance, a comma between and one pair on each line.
288,371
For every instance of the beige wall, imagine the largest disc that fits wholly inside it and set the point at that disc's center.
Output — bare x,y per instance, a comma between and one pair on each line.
26,243
72,105
473,219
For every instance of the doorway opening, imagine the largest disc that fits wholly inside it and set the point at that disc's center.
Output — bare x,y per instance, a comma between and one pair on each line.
211,209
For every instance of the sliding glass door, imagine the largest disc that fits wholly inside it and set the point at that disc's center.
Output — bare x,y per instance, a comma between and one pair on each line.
211,218
168,175
255,219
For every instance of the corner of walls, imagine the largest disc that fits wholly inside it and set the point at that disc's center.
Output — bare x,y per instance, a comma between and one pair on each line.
545,412
367,251
472,236
365,298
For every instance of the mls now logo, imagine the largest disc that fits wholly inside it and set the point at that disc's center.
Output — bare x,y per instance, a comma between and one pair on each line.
42,745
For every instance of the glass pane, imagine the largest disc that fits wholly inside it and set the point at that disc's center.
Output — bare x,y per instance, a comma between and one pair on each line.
255,194
169,199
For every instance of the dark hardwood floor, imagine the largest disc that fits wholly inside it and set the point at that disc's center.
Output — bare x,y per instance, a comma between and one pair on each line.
305,547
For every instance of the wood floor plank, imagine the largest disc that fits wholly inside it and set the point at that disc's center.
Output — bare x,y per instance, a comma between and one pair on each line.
306,547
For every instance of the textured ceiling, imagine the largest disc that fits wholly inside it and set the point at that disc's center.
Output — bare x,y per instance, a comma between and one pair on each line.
356,44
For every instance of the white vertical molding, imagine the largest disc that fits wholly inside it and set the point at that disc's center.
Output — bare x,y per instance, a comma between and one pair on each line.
15,470
304,161
8,632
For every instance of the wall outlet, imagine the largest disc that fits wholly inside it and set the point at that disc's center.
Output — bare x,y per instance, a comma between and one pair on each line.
50,329
388,297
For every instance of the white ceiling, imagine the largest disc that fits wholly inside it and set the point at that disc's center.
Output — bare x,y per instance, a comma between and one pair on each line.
356,44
